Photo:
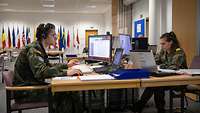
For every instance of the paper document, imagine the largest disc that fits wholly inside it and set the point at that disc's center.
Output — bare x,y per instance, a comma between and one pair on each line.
97,66
83,67
190,71
167,70
96,77
65,78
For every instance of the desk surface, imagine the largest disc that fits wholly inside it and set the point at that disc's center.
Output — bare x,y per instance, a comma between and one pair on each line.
170,81
77,85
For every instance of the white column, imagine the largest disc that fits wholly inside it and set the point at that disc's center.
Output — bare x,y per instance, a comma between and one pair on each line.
154,21
160,19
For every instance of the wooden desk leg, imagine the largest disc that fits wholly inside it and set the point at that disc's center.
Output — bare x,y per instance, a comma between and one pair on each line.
170,101
89,101
126,99
133,95
182,101
102,102
83,99
50,101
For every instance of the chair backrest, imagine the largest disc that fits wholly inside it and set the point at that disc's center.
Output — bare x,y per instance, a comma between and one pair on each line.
195,63
8,77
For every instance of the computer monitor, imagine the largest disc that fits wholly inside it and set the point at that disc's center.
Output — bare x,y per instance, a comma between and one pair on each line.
125,43
118,56
140,44
100,48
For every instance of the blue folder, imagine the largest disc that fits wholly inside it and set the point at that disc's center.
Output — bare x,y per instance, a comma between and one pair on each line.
130,73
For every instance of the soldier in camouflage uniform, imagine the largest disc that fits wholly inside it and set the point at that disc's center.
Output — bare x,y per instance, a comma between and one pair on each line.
32,67
171,56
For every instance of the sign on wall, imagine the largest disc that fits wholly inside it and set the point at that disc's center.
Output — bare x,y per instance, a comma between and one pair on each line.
139,28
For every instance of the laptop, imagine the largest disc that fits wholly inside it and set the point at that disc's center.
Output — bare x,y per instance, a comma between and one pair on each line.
115,63
145,60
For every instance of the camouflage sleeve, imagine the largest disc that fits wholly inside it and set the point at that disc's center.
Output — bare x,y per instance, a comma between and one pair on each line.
177,61
40,69
158,57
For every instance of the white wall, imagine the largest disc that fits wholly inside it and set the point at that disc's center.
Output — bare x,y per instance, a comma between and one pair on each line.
141,7
108,20
68,21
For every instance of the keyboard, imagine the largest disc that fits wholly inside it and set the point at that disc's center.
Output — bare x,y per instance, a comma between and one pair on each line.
163,74
106,69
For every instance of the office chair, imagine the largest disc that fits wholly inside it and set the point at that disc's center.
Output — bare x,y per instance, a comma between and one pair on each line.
195,89
15,105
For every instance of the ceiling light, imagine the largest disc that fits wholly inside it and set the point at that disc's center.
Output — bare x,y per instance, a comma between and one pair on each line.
48,5
48,0
92,6
3,4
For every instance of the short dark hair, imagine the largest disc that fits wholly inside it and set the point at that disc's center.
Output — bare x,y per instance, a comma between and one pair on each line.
43,30
171,36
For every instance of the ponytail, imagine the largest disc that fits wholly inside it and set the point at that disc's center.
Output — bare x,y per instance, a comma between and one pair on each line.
171,36
43,30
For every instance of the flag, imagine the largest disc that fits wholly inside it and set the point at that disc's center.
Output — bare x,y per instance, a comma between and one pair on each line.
23,37
9,38
13,37
3,37
68,39
18,38
74,45
28,37
58,38
77,40
34,38
63,37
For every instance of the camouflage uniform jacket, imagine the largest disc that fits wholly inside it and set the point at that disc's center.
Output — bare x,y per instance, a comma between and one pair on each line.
32,66
173,60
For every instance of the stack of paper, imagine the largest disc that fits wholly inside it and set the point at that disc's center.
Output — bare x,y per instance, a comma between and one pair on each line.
96,77
65,78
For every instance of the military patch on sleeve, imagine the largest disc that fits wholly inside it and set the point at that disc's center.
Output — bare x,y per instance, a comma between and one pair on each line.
40,59
178,49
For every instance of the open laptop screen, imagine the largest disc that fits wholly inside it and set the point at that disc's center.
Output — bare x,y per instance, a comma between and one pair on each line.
118,56
142,59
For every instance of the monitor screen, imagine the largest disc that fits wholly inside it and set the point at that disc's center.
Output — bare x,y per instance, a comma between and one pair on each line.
125,43
100,47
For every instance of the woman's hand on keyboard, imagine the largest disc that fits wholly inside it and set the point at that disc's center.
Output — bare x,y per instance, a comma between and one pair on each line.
74,72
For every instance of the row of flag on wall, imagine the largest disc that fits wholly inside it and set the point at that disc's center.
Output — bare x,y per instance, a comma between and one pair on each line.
18,41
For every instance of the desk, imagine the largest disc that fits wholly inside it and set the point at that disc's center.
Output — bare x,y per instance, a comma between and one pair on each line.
78,85
170,81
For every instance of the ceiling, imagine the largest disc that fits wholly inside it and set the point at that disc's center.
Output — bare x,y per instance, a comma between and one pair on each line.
55,6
